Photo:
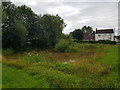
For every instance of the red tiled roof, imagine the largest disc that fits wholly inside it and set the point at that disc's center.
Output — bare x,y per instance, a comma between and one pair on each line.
104,31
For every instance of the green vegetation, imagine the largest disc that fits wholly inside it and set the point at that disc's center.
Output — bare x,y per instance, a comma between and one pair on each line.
36,54
89,68
65,45
111,57
95,42
7,51
62,45
87,30
15,78
77,34
22,28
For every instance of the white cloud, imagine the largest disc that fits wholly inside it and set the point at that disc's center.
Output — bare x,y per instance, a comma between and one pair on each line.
26,2
102,14
63,9
84,20
69,26
72,13
71,0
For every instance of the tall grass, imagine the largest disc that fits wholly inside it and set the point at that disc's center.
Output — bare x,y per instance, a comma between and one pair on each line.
24,60
95,66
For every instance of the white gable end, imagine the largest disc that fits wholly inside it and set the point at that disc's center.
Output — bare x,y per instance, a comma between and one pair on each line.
106,36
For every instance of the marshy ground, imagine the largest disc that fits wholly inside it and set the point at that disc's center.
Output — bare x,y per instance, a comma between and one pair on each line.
93,67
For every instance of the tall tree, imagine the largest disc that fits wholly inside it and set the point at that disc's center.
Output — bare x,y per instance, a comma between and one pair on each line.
41,30
52,27
77,34
8,14
30,20
11,14
87,30
15,36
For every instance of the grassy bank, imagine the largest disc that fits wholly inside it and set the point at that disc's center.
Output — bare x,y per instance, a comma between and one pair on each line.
93,67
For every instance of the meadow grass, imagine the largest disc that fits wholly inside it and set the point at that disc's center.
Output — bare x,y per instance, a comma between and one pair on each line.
111,56
96,66
15,78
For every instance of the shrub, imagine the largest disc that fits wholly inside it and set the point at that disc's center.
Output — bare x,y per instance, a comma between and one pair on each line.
57,78
66,68
67,46
95,42
107,42
62,45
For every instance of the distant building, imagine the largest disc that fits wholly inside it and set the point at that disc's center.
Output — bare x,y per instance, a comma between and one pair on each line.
104,34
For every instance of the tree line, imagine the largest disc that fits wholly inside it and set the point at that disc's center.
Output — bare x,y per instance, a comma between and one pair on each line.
22,28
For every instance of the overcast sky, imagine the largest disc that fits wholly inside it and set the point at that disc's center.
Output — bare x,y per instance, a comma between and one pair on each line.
76,14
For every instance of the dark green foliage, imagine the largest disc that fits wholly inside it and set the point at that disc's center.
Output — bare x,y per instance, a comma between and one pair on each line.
32,23
15,36
94,42
77,34
87,30
21,23
52,27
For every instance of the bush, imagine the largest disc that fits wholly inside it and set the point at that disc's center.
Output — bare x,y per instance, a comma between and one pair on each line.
107,42
67,46
66,68
57,78
95,42
62,45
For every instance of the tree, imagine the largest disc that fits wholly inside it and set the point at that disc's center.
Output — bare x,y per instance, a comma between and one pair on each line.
8,14
31,22
15,36
52,27
87,30
38,31
77,34
12,14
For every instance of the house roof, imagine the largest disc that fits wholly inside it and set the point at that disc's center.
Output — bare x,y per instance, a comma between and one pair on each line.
104,31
